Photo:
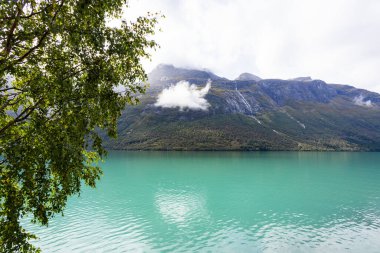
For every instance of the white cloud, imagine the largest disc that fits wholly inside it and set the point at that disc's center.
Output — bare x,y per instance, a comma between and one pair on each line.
336,41
183,95
359,100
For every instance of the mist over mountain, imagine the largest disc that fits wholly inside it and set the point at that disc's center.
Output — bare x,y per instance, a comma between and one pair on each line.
188,109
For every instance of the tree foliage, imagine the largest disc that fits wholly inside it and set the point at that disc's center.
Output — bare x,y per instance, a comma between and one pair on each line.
64,73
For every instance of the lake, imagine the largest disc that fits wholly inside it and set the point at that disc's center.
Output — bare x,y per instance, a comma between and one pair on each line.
224,202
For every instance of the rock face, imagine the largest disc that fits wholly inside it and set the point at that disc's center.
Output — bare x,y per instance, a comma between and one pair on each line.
247,114
313,91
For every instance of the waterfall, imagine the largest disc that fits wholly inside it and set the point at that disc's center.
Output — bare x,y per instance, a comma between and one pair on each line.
245,102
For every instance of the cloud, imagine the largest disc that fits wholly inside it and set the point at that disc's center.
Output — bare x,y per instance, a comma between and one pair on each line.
183,95
359,100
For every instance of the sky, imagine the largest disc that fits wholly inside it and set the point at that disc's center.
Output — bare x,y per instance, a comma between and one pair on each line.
337,41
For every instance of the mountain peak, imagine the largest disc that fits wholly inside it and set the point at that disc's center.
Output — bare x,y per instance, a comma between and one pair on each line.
302,79
164,66
248,77
168,72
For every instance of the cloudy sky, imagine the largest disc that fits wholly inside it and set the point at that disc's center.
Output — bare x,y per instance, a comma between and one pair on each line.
334,40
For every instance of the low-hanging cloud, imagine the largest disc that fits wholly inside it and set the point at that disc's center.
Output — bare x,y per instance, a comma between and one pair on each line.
359,100
184,95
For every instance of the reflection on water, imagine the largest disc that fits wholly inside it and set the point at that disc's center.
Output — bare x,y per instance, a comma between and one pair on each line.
181,208
225,202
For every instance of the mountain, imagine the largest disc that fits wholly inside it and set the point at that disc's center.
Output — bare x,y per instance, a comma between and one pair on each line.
248,77
245,114
165,73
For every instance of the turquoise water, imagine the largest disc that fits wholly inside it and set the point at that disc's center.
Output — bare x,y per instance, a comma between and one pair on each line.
225,202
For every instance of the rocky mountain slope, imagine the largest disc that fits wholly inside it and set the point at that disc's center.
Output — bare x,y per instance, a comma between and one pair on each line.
250,113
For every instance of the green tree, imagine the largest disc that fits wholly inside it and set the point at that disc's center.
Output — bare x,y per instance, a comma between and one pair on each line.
64,74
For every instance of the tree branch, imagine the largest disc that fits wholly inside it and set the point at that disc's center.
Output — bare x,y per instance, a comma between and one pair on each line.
9,103
32,14
8,46
42,37
33,48
22,116
10,88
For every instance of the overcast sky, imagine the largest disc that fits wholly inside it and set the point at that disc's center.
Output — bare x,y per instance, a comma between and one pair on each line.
334,40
